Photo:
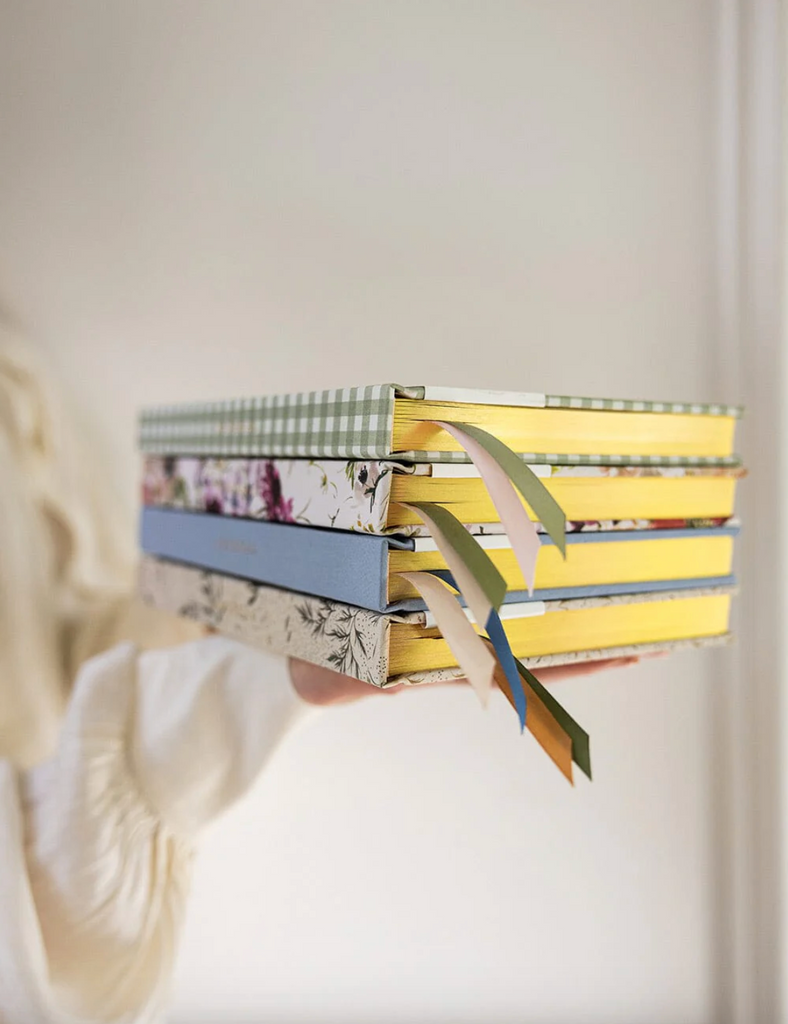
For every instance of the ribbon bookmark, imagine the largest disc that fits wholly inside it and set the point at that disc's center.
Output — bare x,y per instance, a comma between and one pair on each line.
499,641
473,655
543,727
581,743
480,583
522,532
545,507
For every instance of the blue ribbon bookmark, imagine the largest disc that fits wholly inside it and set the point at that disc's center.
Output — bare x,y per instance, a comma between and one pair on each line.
503,651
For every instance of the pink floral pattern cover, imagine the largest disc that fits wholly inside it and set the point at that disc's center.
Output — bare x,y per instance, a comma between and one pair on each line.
345,494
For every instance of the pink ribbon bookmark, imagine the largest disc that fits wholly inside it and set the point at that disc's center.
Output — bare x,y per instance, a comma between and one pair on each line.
522,532
473,656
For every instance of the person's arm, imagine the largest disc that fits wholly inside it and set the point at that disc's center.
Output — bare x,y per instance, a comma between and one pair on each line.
98,842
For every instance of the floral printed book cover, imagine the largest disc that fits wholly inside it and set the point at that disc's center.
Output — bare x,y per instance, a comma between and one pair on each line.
344,494
350,494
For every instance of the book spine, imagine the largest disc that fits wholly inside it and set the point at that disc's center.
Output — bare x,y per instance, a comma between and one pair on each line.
327,633
341,494
347,423
352,568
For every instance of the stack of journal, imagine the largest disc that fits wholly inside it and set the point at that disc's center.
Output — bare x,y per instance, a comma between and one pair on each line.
414,534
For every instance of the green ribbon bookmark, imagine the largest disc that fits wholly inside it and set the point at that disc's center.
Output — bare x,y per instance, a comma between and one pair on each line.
546,508
468,550
581,743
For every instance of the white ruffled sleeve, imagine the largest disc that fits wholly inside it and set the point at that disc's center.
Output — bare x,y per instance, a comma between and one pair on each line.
98,842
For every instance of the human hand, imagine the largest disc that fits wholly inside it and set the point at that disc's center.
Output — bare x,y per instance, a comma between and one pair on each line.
323,687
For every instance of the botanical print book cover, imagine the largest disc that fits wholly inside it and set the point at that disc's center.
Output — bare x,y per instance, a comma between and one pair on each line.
335,635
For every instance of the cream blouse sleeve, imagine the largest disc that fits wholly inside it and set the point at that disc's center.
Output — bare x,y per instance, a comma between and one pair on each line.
98,841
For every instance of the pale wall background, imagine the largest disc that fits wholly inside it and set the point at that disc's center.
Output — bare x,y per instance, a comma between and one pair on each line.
210,199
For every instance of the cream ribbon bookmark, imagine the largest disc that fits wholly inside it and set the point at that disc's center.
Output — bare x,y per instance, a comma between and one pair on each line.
522,532
473,655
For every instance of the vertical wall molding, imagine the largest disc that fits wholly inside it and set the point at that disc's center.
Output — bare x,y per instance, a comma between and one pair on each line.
751,714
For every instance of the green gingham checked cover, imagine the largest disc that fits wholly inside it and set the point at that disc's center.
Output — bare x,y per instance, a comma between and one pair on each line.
356,423
343,423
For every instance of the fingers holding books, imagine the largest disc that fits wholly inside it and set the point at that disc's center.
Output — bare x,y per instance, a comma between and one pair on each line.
324,687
